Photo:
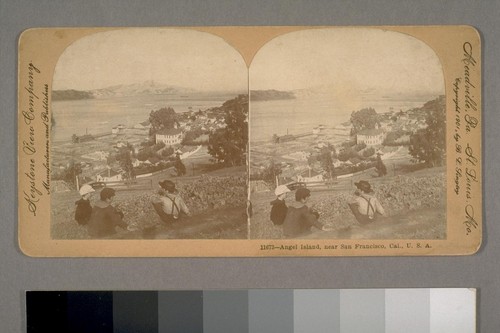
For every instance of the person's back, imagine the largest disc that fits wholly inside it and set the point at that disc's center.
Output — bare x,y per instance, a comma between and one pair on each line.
298,221
172,204
364,205
103,221
105,217
278,211
83,211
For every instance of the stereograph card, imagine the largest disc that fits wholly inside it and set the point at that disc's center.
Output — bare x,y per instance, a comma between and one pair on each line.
249,141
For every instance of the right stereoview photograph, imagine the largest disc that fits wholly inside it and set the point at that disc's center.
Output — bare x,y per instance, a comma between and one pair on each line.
347,137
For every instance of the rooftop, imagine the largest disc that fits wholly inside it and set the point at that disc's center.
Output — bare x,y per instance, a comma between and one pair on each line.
371,132
169,131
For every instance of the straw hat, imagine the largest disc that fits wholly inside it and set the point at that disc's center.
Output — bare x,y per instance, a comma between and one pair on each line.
86,189
281,189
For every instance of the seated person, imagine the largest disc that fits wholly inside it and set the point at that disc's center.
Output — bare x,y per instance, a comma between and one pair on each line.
299,218
83,209
169,205
279,208
364,205
105,217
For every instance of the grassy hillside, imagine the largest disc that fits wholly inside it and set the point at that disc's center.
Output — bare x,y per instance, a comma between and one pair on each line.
415,204
217,205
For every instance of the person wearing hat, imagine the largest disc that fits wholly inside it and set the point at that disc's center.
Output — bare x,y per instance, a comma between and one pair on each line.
105,218
279,208
364,205
171,203
299,218
83,208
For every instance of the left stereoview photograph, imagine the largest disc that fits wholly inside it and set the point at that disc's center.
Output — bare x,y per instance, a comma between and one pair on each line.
148,136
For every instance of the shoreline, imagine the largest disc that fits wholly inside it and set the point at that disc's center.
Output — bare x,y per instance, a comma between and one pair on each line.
135,107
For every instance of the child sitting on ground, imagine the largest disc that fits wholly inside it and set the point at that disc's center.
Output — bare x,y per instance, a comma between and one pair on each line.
83,208
279,208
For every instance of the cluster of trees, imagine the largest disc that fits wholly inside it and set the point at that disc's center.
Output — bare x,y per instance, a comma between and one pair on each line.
124,158
428,145
191,138
269,173
155,151
164,118
228,145
158,153
355,153
176,163
364,119
142,169
68,174
346,169
325,158
368,152
393,138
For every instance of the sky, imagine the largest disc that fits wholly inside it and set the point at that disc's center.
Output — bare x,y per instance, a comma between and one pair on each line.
336,61
178,57
345,61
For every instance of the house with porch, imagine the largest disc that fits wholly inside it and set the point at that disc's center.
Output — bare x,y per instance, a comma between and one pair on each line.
370,137
170,136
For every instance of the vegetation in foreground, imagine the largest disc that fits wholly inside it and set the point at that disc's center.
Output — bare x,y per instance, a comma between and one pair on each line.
415,201
208,198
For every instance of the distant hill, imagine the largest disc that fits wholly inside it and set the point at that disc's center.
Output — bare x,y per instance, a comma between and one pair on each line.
143,88
68,95
135,89
268,95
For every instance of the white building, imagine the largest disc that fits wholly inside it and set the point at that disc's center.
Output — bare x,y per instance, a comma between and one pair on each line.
169,137
310,177
109,175
370,137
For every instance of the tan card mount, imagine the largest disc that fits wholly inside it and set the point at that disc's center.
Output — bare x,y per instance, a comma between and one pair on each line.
250,141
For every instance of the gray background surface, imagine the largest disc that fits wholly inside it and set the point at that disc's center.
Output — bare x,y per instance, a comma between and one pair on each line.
19,272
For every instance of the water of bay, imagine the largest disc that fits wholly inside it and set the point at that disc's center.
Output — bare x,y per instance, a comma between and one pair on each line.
301,115
293,116
96,116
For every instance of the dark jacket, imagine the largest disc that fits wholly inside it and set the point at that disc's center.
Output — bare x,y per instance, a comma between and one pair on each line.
299,220
83,211
104,219
278,211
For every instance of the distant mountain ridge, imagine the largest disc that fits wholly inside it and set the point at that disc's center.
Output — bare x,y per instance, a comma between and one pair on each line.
267,95
123,90
70,94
